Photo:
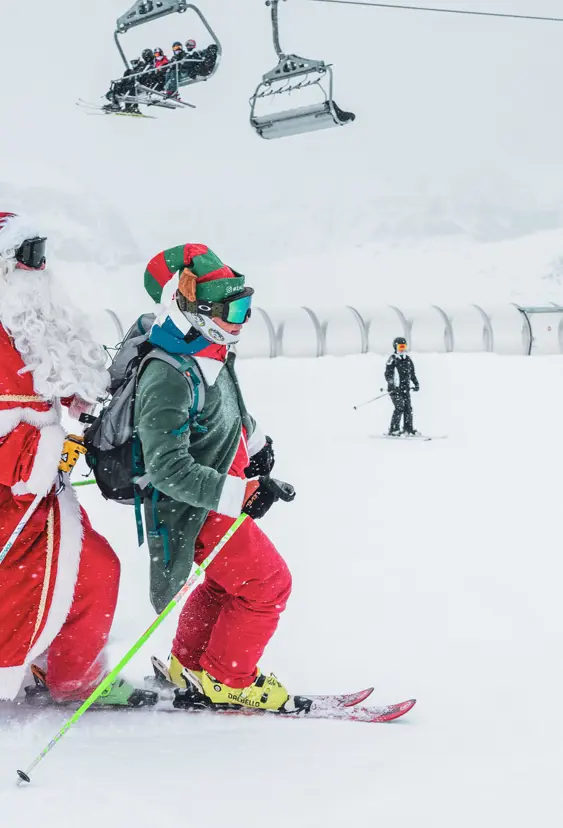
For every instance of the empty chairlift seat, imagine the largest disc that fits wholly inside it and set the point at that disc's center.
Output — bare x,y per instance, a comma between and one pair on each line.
292,75
301,119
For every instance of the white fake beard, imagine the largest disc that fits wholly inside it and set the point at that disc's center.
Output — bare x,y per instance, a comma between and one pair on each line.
51,336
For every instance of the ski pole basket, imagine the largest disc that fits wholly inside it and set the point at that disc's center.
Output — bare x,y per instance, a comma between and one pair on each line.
293,74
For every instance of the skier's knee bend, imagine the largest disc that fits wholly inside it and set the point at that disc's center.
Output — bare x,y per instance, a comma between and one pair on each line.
271,593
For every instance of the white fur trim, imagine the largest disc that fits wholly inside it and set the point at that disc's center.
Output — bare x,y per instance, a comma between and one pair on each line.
10,682
70,546
46,463
210,368
169,290
13,232
256,441
232,496
176,315
12,417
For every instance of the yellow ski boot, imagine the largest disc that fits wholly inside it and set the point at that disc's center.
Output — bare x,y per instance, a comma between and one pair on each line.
265,692
181,676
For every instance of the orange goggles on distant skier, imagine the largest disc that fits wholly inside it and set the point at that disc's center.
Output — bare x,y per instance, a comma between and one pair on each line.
401,347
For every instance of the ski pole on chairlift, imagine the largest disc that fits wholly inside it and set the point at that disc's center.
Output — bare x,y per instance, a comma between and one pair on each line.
373,399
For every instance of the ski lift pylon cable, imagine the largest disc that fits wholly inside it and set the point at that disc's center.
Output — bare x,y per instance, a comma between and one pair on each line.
293,73
471,12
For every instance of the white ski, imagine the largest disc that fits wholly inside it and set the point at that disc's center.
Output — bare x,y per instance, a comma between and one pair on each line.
405,439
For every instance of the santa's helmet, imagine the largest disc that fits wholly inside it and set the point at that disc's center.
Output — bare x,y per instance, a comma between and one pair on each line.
21,246
158,53
190,45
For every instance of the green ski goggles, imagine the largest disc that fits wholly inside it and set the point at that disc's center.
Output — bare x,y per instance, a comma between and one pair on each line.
236,309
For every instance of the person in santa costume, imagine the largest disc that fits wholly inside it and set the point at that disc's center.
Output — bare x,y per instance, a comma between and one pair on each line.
59,580
203,474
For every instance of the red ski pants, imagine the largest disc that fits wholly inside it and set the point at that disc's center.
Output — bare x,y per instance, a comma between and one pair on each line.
75,664
228,620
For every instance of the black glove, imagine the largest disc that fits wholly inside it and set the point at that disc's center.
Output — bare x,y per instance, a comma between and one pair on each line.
391,389
266,493
262,462
416,388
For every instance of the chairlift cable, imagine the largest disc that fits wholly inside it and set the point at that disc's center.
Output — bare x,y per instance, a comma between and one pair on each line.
443,11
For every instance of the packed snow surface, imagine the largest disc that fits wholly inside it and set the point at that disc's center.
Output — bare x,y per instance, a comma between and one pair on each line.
431,570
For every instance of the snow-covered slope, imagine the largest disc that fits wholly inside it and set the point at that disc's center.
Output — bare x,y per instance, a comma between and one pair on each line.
458,135
430,569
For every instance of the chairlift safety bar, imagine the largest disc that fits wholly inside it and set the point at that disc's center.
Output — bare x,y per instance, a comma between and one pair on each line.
143,11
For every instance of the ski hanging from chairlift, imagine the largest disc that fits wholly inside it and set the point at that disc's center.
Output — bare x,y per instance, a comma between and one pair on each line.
154,80
292,74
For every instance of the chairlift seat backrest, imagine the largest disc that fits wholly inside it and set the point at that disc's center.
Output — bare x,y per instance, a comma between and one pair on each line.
301,120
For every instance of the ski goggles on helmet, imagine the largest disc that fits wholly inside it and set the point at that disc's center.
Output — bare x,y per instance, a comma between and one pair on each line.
32,253
236,309
178,48
402,347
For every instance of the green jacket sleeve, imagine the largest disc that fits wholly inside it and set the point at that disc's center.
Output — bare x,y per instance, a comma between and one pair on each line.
163,402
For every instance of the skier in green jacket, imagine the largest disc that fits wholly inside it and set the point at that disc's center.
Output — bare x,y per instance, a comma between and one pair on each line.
204,474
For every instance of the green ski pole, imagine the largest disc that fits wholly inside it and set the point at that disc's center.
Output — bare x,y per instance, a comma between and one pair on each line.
84,483
24,776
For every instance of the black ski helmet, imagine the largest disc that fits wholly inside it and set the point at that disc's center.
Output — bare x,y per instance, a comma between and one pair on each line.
147,55
399,340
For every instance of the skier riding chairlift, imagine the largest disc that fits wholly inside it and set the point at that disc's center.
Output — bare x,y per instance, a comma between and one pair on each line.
145,11
294,73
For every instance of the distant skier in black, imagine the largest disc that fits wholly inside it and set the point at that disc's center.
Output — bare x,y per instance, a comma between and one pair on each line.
399,374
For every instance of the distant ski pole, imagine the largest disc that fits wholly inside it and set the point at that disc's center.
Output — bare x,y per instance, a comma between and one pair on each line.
373,399
24,776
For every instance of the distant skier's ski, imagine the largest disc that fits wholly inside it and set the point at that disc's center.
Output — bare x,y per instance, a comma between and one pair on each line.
406,439
166,689
297,707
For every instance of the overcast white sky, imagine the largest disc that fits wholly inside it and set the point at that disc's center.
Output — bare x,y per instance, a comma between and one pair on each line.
459,123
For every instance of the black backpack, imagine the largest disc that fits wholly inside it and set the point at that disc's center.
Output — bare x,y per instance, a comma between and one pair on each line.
113,447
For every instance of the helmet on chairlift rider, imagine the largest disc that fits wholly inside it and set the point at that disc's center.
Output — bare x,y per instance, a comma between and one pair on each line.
160,58
148,58
178,51
190,45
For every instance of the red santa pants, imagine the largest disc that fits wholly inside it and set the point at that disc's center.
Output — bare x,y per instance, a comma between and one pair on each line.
228,620
75,663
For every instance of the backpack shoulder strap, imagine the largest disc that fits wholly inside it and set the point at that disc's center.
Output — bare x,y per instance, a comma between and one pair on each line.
192,373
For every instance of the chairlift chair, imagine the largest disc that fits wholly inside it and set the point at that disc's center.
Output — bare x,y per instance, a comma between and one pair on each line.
145,11
293,73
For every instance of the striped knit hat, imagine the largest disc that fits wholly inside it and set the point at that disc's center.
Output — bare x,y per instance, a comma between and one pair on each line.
202,274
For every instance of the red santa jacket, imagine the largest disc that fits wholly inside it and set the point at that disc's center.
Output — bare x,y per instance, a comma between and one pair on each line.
38,575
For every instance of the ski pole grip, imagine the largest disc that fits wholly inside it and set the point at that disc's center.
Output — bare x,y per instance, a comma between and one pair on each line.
283,491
